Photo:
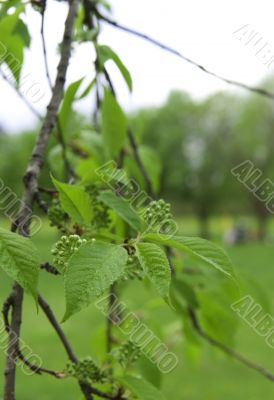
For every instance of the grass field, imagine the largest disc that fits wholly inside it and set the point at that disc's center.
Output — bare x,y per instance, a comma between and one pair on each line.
212,376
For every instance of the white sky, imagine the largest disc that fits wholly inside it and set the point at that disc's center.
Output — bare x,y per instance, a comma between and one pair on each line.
202,30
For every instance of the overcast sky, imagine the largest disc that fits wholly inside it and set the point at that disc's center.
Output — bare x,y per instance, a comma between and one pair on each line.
202,30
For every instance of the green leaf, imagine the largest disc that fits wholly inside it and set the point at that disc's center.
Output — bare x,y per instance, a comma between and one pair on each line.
114,125
66,108
14,56
92,270
105,53
217,317
142,389
13,33
19,258
150,371
201,249
21,30
75,201
156,266
183,294
121,207
152,162
56,161
87,90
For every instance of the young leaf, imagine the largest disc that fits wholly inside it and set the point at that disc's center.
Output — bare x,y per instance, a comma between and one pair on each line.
201,249
87,90
183,295
150,371
92,270
13,41
156,266
121,207
105,53
19,258
142,389
114,125
66,108
75,201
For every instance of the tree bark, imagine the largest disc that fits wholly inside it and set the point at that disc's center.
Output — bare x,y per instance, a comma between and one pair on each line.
31,188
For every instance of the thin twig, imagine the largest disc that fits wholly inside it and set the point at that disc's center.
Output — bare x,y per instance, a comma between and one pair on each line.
140,164
55,324
169,49
110,317
37,370
49,191
41,203
42,31
22,97
134,146
248,363
49,268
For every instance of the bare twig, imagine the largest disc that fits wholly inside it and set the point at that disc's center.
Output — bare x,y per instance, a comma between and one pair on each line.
110,317
39,370
239,357
42,31
22,97
134,147
87,389
41,203
55,324
49,268
169,49
140,164
49,191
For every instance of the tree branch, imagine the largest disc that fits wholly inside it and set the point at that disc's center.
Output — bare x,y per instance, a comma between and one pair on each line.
169,49
42,31
55,324
22,97
31,188
232,353
140,164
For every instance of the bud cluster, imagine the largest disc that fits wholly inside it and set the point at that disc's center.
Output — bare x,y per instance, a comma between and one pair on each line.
128,353
57,215
133,269
101,218
64,249
87,371
157,214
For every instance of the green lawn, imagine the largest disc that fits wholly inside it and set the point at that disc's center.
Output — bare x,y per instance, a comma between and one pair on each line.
212,376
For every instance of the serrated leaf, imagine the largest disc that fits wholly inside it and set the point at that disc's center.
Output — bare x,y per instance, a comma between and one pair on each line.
121,207
201,249
114,125
142,389
156,266
105,53
75,201
19,258
90,271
